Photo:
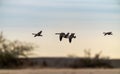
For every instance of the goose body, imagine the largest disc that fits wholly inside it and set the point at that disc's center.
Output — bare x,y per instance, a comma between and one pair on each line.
61,35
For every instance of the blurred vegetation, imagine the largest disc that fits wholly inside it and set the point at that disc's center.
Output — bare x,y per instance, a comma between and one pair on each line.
97,61
92,62
10,51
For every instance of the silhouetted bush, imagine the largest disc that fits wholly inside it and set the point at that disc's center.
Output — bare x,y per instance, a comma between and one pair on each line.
96,61
89,62
11,51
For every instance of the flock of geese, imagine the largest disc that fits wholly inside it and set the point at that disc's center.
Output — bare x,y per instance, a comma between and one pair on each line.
68,35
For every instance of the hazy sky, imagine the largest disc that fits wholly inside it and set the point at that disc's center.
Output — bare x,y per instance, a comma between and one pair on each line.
87,18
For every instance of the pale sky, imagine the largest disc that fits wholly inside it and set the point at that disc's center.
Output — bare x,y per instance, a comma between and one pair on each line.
87,18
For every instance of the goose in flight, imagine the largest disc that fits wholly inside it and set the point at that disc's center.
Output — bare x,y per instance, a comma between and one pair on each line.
107,33
61,35
71,37
37,34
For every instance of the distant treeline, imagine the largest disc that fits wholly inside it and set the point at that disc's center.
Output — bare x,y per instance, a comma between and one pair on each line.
67,63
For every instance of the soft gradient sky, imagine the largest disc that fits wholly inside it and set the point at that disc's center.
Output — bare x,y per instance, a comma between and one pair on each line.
87,18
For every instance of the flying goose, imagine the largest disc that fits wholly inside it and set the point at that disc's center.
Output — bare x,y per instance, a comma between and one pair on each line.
107,33
37,34
61,35
71,37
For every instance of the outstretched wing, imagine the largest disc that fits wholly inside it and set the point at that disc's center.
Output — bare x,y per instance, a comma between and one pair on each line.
60,37
40,32
70,40
66,35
